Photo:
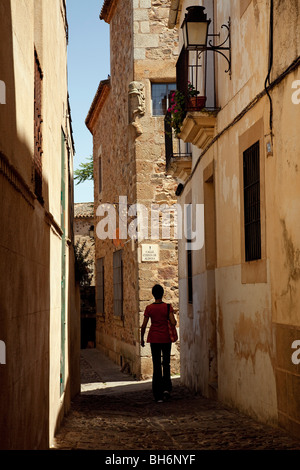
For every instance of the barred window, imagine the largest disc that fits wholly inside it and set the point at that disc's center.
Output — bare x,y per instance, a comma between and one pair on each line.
38,140
100,286
118,283
100,174
189,254
252,222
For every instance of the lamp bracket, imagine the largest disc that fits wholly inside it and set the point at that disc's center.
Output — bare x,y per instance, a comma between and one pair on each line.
220,47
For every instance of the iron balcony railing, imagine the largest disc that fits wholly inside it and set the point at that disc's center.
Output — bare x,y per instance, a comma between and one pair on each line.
195,84
195,80
175,147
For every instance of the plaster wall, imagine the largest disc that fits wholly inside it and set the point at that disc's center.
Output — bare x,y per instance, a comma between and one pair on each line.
32,405
256,303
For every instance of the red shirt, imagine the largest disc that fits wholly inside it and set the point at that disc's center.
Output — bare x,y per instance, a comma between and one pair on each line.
159,330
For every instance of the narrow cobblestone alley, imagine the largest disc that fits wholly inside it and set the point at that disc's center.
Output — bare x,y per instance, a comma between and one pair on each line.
115,412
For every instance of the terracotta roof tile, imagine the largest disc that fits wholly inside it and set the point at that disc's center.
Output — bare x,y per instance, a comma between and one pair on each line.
108,9
84,209
98,101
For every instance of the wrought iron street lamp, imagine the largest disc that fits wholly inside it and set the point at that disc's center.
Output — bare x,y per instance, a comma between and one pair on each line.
195,28
195,34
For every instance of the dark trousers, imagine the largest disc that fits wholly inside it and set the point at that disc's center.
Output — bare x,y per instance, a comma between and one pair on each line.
161,380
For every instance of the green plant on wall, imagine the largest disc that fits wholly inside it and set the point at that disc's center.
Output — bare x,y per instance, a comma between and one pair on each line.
192,90
85,172
176,111
83,265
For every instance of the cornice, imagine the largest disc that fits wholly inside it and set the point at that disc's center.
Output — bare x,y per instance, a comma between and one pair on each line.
174,13
108,10
97,104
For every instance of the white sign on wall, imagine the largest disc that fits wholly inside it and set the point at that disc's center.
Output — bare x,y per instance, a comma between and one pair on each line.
150,252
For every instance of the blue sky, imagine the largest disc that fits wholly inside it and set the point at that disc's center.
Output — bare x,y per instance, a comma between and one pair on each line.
88,63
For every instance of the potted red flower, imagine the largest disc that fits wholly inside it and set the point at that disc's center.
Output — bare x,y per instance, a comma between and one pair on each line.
195,102
176,111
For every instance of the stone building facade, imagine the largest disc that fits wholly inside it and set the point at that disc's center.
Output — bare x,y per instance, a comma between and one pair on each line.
39,302
240,327
126,119
84,229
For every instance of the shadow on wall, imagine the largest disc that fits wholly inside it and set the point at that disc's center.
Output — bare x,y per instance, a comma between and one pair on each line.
88,317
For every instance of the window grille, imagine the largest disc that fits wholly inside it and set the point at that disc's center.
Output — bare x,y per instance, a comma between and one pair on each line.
189,254
252,222
100,286
190,276
38,138
118,283
100,174
182,149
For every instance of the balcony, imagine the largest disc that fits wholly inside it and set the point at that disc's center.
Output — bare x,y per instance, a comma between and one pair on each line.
192,115
178,153
198,127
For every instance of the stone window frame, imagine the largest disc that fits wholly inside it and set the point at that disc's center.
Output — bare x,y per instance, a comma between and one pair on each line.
210,223
253,272
251,190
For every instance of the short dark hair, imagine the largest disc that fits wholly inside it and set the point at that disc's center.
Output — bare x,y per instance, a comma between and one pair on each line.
157,291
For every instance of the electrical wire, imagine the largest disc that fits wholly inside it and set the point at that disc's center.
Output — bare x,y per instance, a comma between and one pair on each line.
270,64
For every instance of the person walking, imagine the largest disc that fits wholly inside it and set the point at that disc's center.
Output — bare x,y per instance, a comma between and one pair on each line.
160,342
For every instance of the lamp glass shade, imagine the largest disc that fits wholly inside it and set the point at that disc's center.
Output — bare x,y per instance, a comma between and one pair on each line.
197,34
195,28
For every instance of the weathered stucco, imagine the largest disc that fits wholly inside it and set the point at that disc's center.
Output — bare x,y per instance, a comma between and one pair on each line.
253,306
32,405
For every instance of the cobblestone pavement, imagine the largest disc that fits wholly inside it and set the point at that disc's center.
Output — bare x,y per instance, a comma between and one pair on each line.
119,414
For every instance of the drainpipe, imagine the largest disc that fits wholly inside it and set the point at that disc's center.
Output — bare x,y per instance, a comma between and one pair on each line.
173,13
267,81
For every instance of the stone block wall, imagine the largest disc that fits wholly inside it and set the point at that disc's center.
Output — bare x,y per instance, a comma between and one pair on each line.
130,143
113,142
152,39
155,56
83,222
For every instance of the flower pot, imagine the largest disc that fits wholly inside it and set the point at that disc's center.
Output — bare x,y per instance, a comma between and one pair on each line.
196,103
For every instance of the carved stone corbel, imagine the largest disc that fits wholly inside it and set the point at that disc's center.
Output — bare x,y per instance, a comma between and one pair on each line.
136,104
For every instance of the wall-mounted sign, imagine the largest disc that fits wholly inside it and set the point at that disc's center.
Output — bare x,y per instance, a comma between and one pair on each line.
150,252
